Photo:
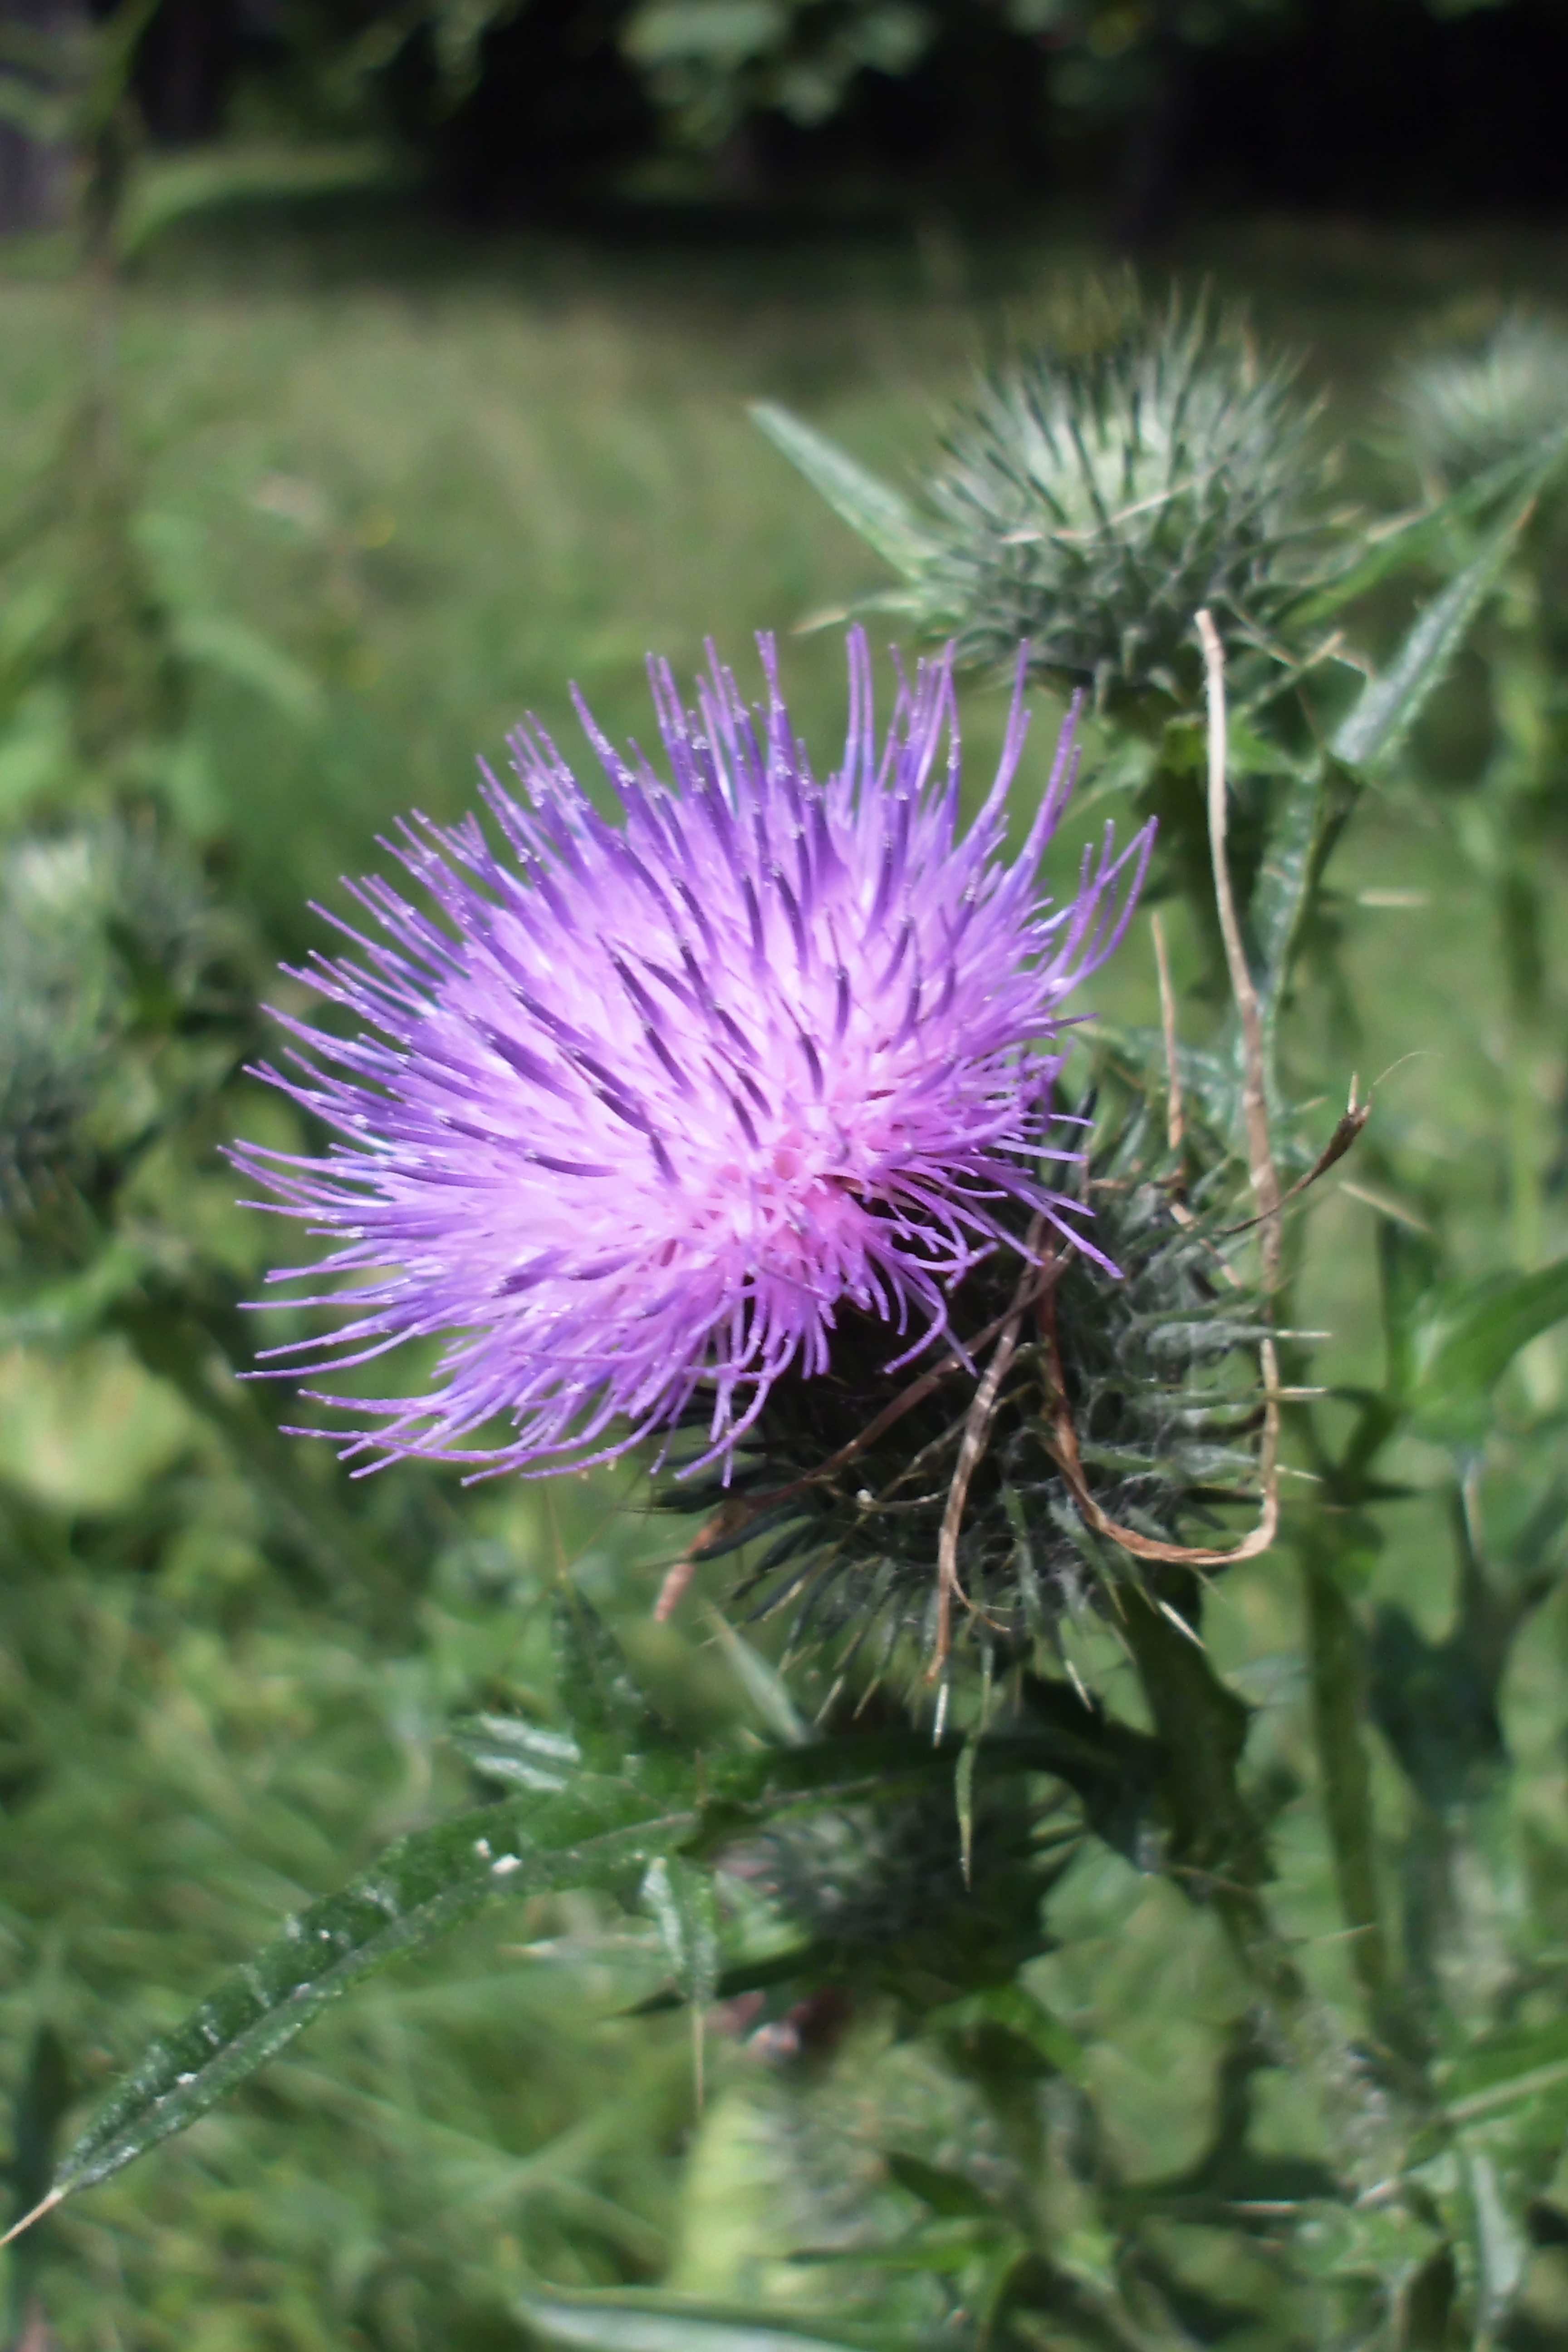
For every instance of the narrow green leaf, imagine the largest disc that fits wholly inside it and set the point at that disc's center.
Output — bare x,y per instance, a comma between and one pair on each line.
419,1888
1505,2069
1312,811
679,1899
813,1964
1423,534
878,514
1389,706
941,2249
518,1754
1500,2243
1017,2011
112,54
217,641
853,1764
37,114
612,1715
1426,2304
763,1684
168,188
952,2194
1470,1342
1407,1267
634,2322
1338,1675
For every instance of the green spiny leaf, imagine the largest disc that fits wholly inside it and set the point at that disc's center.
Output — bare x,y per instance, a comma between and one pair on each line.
418,1888
1313,811
518,1754
1390,705
678,1898
612,1716
763,1684
1423,535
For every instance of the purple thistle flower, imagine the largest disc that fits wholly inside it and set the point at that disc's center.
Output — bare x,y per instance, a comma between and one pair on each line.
641,1107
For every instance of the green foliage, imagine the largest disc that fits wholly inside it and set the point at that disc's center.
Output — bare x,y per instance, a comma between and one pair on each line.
710,64
125,998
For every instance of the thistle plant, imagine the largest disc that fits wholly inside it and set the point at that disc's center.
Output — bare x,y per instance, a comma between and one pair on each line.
761,1121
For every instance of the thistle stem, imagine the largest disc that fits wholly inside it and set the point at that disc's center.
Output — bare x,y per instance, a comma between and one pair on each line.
1334,1655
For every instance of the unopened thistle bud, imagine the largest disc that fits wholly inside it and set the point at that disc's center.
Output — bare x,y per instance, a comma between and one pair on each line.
1459,412
1092,504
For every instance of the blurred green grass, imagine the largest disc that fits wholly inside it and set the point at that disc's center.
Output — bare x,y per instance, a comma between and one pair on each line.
447,476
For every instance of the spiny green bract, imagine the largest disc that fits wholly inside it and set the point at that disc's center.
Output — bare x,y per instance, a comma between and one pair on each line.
1159,1367
1094,504
884,1895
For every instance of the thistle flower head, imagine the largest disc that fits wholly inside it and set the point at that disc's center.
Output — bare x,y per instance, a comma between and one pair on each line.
640,1110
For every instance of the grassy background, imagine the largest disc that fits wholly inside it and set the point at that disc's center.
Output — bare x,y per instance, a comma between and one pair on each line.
447,476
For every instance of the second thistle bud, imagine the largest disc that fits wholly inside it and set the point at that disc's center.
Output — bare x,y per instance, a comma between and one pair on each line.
1091,503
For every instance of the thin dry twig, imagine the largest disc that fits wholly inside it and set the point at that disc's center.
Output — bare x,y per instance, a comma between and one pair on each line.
741,1510
1254,1090
1069,1461
1351,1119
1175,1115
972,1446
1265,1187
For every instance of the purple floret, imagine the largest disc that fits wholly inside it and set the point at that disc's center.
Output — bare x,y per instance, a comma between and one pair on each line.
639,1107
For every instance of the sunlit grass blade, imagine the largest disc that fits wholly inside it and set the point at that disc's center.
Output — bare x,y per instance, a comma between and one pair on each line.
637,2322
